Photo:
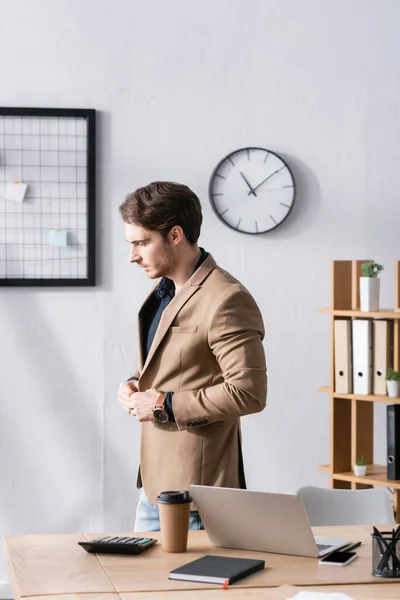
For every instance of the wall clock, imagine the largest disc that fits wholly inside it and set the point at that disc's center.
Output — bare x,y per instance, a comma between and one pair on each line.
252,190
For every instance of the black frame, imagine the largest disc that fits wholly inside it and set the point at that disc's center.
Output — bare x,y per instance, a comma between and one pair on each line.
215,171
90,116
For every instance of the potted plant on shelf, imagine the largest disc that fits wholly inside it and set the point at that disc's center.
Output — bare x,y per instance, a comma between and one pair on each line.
360,468
393,383
369,286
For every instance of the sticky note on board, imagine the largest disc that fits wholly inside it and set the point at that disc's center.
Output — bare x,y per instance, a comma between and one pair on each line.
15,191
58,237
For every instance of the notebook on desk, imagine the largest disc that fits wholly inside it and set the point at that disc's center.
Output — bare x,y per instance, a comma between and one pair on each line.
259,521
217,569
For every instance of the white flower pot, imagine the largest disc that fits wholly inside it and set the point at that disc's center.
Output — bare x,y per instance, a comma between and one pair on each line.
360,471
393,388
369,293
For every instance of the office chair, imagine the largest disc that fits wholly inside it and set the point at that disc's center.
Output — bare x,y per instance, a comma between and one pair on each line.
347,507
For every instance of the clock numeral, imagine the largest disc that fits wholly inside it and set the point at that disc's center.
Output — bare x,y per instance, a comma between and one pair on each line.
273,219
265,159
283,204
287,186
248,154
238,223
231,161
223,212
219,194
256,227
218,175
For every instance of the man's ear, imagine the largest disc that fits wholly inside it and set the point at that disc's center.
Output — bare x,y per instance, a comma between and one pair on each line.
176,235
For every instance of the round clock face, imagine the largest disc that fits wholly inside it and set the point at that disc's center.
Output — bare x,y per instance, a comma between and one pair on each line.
252,190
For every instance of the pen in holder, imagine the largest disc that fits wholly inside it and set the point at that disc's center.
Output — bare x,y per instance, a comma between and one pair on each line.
386,553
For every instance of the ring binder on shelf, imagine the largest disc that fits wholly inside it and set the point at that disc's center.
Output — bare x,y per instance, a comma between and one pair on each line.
343,374
362,355
383,353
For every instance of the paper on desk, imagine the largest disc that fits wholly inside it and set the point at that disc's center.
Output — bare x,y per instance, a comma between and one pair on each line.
320,596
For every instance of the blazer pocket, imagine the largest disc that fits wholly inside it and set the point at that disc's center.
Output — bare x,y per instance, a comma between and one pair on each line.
185,329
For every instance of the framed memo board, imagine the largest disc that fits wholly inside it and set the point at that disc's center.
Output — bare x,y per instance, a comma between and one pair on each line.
47,197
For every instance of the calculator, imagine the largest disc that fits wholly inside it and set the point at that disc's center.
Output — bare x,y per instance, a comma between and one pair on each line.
118,545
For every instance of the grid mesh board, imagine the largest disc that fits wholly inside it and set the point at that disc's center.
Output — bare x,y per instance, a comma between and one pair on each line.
50,153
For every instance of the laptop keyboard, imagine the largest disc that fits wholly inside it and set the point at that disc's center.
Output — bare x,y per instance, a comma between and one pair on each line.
322,547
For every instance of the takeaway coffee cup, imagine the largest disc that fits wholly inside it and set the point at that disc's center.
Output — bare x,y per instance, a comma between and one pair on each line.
174,507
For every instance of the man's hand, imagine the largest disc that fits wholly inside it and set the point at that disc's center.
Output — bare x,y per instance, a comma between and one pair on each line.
125,391
143,403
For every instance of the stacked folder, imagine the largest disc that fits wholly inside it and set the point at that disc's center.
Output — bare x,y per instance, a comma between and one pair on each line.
363,351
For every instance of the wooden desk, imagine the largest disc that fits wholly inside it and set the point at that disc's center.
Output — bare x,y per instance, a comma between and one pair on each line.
56,567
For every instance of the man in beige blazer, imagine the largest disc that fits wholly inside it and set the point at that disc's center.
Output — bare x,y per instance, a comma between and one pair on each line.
201,362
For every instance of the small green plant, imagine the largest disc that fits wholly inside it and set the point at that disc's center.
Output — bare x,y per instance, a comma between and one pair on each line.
392,375
361,462
371,269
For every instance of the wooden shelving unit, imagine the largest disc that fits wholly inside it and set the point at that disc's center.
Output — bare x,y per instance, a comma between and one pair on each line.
351,415
364,398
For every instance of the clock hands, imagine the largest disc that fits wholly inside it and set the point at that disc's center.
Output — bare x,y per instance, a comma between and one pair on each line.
251,189
266,179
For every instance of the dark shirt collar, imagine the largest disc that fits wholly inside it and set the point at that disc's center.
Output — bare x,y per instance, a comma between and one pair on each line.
166,287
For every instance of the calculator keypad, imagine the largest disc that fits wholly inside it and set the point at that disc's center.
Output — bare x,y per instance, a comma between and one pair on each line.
118,544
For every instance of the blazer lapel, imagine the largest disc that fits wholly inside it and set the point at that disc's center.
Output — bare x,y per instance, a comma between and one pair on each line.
169,314
139,327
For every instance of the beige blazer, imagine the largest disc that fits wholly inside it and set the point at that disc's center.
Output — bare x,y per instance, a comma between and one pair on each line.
208,351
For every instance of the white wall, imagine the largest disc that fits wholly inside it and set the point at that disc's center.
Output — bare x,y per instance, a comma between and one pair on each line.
178,85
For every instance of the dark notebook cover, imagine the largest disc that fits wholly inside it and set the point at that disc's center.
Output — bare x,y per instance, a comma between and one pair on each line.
217,569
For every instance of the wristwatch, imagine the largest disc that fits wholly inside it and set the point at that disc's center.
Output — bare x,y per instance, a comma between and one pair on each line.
159,413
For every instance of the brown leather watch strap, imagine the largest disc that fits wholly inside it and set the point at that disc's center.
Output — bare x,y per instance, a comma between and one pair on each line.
160,402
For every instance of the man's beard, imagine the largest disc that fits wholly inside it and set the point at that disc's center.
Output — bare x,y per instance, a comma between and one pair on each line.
164,266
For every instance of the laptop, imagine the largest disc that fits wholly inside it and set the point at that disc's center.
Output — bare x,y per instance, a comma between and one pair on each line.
260,521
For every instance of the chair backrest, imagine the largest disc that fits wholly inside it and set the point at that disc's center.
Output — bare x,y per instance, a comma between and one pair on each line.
347,507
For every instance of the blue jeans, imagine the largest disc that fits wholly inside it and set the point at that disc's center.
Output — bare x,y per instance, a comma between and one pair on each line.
147,517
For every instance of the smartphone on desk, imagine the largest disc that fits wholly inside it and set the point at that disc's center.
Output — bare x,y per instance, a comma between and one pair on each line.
338,559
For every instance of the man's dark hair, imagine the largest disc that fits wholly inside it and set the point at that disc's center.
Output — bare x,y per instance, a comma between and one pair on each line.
161,205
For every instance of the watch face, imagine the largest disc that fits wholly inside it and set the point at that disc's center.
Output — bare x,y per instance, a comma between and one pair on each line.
252,190
160,415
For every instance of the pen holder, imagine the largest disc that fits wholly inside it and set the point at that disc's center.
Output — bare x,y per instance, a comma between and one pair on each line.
385,554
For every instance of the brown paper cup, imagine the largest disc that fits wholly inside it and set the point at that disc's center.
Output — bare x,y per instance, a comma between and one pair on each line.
174,509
